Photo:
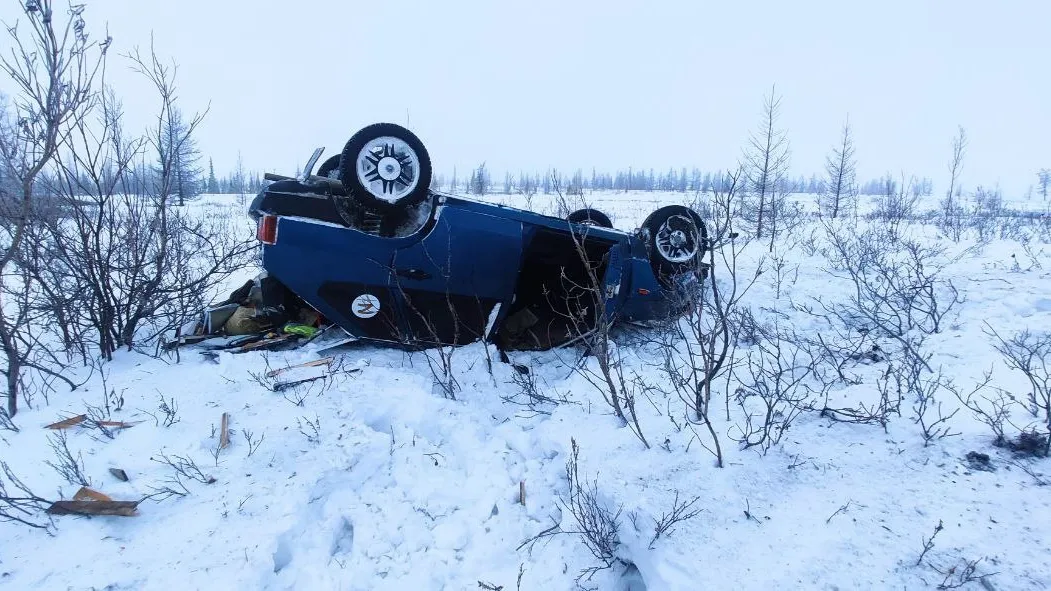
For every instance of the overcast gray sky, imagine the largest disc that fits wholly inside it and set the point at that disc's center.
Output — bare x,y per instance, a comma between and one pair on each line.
606,83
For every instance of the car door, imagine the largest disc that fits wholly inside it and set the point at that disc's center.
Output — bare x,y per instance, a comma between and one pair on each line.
450,282
343,273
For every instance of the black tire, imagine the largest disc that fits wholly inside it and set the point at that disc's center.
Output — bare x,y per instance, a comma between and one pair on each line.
415,167
590,216
667,255
330,166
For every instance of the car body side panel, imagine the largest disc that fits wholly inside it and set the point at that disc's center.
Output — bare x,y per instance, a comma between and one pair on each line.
449,282
645,298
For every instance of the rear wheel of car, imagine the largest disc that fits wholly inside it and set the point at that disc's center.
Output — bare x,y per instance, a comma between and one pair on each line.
676,239
591,217
385,168
329,168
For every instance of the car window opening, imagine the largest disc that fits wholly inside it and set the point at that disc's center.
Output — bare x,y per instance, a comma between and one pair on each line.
554,299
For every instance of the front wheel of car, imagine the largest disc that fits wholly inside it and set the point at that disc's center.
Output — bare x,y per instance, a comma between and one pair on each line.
385,168
676,239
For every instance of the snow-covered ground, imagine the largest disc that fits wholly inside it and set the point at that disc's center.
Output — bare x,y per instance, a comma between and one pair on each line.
374,480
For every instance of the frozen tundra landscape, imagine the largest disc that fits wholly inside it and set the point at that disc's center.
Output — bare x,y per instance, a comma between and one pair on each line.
844,465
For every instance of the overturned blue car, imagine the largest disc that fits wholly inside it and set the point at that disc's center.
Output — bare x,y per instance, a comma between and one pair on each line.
366,245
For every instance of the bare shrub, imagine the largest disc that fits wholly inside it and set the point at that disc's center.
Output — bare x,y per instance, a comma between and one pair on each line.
896,204
310,428
896,285
926,393
994,411
143,266
837,346
70,468
531,394
879,413
928,543
597,524
169,412
591,323
438,345
252,441
681,511
695,348
773,391
1030,354
6,423
183,471
51,66
18,503
963,573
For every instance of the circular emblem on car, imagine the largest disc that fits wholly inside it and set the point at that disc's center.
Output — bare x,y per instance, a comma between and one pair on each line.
365,305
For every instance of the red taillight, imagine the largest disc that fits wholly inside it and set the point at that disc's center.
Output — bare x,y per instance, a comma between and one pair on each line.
266,229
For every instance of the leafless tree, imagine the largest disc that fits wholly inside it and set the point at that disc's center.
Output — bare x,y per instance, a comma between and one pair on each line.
239,180
766,161
841,176
51,65
1044,180
953,213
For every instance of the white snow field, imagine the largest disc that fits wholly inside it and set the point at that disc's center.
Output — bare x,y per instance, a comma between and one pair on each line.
373,480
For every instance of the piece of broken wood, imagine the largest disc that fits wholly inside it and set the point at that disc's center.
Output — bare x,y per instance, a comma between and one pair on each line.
521,492
87,494
316,362
119,508
224,433
187,340
91,502
282,386
115,424
67,423
119,474
266,343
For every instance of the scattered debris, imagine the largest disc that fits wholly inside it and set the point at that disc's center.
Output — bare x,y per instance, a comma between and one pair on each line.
224,432
67,423
187,340
1029,443
979,461
88,494
282,386
118,508
315,363
81,419
267,344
